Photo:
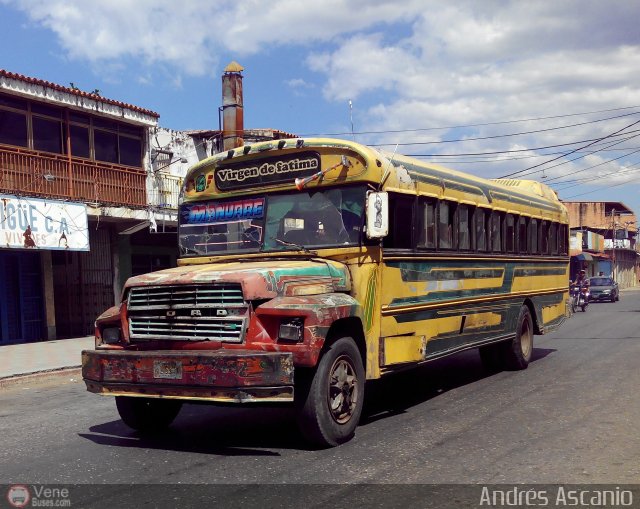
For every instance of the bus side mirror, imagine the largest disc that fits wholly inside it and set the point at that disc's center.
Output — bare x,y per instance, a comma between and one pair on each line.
377,215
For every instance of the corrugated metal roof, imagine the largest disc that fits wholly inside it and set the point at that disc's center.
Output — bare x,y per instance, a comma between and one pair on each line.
207,133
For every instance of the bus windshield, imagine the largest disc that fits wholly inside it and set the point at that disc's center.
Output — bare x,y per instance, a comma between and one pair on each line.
292,221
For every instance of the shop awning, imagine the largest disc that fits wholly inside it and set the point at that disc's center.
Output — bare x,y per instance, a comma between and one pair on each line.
584,257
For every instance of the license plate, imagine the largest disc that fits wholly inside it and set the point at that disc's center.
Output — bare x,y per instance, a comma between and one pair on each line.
167,369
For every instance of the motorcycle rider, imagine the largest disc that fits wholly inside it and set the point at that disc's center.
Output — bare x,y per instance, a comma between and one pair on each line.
581,288
581,279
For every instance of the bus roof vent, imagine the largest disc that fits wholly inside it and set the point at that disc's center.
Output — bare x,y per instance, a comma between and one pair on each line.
529,186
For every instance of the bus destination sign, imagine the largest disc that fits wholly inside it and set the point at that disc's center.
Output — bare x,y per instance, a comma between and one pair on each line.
266,172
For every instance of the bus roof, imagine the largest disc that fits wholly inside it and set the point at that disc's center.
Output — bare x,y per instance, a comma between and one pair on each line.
381,169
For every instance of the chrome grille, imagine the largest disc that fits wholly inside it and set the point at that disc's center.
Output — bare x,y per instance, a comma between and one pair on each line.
188,312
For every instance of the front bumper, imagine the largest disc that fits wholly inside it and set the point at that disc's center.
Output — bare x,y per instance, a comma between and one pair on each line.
218,376
600,296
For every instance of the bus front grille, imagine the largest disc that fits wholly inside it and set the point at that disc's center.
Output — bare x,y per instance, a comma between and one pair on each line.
215,312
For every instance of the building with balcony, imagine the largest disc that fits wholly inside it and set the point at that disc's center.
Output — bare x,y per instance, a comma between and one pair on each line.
89,189
73,184
608,240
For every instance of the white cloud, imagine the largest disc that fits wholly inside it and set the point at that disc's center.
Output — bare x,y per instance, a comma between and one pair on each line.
407,64
190,34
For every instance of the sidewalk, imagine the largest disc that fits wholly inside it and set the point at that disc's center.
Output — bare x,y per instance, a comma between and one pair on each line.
42,357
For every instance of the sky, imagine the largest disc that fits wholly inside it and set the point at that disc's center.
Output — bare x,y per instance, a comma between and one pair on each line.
547,90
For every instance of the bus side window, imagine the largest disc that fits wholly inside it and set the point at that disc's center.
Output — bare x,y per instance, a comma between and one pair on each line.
480,230
426,223
544,237
533,236
553,236
509,233
445,225
400,221
461,223
521,234
562,238
494,232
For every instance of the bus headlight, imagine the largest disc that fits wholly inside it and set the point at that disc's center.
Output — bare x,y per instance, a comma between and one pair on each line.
291,329
111,335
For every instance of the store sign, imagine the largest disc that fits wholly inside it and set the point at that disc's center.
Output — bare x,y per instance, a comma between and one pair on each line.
222,212
42,224
266,171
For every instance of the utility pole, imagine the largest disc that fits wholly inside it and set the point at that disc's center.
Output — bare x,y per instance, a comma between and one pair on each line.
613,239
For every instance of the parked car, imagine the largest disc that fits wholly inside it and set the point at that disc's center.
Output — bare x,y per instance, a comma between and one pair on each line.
604,288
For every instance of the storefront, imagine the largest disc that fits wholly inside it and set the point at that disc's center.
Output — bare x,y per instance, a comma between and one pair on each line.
31,230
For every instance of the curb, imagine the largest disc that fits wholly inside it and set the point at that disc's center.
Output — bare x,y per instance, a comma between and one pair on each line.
40,377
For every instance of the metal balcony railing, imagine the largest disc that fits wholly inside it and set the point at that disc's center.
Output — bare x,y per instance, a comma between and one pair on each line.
29,172
164,191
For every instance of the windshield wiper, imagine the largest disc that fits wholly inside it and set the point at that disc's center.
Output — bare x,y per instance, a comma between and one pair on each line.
299,247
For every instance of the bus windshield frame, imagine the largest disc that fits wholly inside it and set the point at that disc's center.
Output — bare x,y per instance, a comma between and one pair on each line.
317,218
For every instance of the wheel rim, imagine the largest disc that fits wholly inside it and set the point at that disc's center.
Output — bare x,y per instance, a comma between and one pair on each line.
526,339
343,390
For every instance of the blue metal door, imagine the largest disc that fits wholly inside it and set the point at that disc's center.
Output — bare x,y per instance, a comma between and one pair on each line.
21,300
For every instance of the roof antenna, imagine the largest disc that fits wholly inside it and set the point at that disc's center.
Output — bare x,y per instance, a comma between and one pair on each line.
351,119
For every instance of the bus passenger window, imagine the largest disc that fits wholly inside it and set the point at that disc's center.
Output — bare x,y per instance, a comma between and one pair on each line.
445,225
462,226
509,233
533,236
481,233
553,236
522,234
495,230
562,238
400,222
427,224
544,237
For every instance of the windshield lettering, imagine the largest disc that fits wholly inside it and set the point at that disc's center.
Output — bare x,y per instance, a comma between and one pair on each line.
276,222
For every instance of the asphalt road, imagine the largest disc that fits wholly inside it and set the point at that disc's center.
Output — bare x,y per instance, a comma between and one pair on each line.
571,417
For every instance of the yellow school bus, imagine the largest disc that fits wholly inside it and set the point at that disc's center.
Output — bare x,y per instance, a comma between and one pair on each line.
309,266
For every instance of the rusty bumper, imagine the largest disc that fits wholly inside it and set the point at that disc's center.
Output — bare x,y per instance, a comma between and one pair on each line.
218,376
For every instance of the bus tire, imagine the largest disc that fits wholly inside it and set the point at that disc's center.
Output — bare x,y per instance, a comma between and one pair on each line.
147,414
517,352
329,402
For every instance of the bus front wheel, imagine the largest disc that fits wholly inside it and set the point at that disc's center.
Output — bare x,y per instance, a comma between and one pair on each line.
147,414
330,399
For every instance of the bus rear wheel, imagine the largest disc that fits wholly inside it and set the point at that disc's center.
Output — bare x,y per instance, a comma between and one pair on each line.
147,414
330,400
517,352
513,354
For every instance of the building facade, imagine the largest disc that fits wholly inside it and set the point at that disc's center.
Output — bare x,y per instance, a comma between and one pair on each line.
89,189
73,181
608,240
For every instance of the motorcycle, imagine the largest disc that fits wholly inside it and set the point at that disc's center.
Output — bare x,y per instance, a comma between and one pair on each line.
579,297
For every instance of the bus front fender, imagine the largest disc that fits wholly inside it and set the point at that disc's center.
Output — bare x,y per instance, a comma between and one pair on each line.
317,313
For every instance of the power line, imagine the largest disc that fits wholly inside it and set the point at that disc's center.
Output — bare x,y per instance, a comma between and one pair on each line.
604,187
577,182
530,149
535,119
594,166
585,146
531,156
493,137
580,157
